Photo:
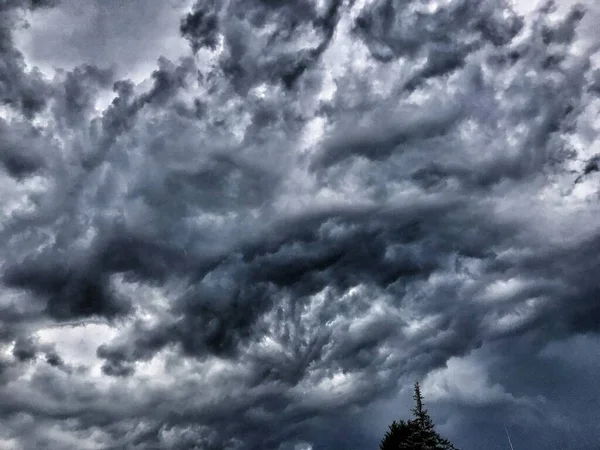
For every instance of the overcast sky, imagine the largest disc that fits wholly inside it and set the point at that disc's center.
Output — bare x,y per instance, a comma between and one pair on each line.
253,224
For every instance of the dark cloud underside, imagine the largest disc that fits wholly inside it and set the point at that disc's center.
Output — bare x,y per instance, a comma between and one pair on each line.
258,235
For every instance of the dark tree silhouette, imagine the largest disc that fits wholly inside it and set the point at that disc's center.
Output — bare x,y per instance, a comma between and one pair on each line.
400,436
415,434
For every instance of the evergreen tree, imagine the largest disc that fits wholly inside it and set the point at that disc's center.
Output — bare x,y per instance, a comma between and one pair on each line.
428,438
399,436
415,434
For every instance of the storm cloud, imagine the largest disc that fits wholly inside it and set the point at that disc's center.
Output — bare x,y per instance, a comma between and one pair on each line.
254,224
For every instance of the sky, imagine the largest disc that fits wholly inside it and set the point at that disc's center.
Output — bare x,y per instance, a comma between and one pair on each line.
254,224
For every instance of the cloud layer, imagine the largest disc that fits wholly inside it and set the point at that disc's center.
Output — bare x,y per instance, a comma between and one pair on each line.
259,236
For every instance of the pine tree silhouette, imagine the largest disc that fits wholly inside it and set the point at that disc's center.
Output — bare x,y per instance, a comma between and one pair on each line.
400,436
415,434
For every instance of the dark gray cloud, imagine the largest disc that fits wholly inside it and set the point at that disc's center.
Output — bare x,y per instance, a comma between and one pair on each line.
263,41
23,148
259,235
25,90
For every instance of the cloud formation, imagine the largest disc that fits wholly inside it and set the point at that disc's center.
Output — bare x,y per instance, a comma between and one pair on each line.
259,242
